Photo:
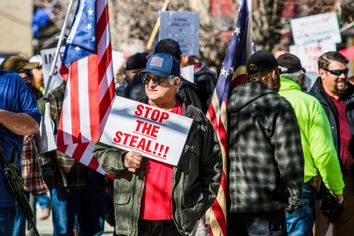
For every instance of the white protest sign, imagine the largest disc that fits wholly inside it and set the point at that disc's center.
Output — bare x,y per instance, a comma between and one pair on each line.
316,28
154,132
187,73
118,61
48,56
182,27
309,54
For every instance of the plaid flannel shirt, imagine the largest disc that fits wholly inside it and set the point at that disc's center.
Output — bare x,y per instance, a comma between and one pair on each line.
33,181
265,153
60,168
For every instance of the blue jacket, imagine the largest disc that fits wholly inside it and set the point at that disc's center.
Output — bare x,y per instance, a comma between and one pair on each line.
15,96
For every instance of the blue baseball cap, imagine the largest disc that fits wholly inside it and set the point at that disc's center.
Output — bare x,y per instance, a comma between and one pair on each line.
162,64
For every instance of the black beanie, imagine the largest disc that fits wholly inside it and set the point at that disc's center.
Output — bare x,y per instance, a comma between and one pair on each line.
136,61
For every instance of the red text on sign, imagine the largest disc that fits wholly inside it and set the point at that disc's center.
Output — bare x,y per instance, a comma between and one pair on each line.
151,113
142,144
146,128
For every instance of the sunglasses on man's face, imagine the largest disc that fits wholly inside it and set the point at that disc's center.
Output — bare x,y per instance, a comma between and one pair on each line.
338,72
27,72
155,79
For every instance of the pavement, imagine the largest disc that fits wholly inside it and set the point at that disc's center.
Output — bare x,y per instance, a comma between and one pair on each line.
45,227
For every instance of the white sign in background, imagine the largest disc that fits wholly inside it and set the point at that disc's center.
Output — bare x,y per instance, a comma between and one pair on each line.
47,57
154,132
182,27
316,28
310,53
187,73
118,62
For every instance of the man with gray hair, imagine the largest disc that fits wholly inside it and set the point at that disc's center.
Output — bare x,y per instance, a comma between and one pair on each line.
320,157
158,198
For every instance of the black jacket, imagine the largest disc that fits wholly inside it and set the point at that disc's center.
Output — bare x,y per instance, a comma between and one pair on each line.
331,111
205,80
188,93
196,178
134,91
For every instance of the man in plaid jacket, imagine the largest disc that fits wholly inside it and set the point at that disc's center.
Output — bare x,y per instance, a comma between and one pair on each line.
77,192
266,159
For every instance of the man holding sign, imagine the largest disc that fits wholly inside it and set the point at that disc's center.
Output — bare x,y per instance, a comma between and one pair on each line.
155,198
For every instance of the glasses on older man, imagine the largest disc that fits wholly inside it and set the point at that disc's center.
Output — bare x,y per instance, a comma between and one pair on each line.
338,72
28,72
155,79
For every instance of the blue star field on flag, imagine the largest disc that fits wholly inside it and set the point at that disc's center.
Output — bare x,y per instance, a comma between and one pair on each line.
235,55
81,41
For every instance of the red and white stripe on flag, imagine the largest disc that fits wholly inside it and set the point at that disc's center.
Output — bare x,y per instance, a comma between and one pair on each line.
232,73
88,96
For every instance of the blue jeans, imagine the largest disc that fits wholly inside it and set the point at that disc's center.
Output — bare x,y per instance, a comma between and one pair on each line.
20,222
59,212
83,208
300,221
43,201
257,223
7,220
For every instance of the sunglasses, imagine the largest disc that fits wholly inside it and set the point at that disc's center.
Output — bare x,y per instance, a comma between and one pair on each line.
338,72
156,79
28,72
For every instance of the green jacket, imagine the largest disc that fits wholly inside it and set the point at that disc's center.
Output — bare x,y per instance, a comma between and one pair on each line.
316,137
195,183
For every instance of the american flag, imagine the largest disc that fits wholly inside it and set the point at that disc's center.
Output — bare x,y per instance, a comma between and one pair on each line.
233,72
87,69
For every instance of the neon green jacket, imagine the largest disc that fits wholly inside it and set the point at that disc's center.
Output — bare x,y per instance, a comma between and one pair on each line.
316,138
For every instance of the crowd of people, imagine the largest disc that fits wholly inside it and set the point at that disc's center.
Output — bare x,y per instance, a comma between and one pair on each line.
287,151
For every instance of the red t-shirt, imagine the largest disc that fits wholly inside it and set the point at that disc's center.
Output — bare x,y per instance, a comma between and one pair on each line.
345,156
156,203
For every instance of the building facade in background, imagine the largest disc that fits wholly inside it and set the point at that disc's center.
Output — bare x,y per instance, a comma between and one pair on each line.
16,27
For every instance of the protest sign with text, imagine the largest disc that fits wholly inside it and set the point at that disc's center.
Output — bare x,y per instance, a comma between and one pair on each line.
310,53
47,57
155,133
182,27
316,28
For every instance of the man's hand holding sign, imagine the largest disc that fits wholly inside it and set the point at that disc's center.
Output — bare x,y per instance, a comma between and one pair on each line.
132,160
173,149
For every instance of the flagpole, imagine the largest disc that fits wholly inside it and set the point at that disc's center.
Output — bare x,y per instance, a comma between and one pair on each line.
249,30
60,42
156,27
